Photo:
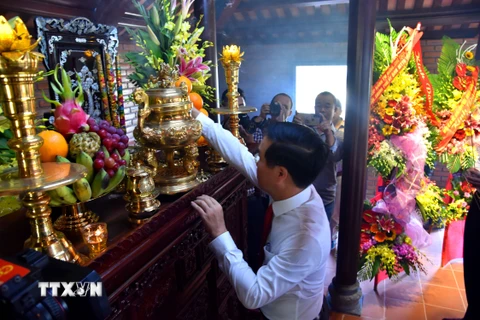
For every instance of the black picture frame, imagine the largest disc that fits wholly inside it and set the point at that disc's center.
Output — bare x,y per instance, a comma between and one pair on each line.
74,44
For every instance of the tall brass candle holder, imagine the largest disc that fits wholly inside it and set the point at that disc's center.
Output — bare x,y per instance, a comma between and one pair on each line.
231,60
18,69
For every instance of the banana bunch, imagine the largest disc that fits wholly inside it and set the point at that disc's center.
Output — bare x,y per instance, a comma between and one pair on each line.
90,187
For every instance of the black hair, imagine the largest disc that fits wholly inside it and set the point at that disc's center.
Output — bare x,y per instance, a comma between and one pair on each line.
297,148
240,92
326,93
283,94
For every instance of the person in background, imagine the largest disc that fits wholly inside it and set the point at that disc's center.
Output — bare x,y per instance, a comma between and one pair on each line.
290,284
338,123
252,139
337,120
326,182
471,254
279,109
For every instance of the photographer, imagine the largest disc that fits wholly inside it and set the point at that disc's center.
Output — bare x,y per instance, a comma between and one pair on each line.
326,181
279,109
248,130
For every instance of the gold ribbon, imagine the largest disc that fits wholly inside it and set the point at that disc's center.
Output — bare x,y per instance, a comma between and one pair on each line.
397,65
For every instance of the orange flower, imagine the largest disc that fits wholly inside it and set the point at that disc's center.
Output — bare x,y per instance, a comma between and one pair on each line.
380,237
391,235
374,228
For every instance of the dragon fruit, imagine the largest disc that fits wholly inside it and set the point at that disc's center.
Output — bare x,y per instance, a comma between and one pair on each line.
69,115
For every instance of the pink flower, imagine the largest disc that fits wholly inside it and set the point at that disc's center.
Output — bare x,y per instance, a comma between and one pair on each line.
188,69
456,193
467,195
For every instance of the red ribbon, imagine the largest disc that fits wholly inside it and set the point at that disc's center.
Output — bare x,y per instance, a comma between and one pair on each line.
425,84
461,112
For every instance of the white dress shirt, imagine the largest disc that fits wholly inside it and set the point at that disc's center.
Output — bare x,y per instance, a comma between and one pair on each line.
290,284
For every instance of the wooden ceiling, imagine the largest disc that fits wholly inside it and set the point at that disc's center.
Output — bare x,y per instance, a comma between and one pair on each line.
269,21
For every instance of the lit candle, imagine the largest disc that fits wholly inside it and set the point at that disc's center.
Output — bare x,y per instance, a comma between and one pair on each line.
95,236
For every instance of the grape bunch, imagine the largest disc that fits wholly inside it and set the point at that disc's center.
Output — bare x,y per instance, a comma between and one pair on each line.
113,152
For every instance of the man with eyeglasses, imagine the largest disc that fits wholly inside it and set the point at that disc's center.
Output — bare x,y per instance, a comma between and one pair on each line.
326,181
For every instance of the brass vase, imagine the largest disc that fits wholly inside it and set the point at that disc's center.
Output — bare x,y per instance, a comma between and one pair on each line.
165,123
34,179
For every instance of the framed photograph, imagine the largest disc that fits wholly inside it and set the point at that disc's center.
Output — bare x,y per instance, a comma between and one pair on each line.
74,45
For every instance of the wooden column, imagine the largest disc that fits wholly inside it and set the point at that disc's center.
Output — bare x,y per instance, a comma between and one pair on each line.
344,293
207,9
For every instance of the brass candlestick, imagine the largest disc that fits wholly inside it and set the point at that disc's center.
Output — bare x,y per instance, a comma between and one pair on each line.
231,61
18,69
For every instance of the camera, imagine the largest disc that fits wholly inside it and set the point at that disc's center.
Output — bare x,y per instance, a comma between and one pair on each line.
35,286
247,124
275,109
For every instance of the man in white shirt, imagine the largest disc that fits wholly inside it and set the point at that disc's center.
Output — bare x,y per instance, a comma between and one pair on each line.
290,284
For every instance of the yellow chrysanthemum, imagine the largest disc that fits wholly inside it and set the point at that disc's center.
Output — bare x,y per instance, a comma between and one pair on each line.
408,240
387,130
457,94
390,111
469,132
469,55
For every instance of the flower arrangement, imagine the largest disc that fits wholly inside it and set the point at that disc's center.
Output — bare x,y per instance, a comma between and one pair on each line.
385,247
170,38
399,110
431,204
456,105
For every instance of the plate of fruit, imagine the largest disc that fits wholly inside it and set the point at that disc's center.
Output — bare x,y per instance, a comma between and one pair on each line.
101,148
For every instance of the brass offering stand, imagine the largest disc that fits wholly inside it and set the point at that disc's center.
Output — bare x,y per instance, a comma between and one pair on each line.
165,123
231,61
34,179
74,217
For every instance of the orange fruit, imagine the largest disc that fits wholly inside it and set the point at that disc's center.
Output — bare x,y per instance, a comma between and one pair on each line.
187,81
204,111
196,100
54,144
201,141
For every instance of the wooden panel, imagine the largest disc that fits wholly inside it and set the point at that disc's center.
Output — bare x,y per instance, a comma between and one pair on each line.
164,269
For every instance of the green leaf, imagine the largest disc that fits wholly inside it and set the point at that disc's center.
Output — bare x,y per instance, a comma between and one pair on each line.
448,58
376,267
405,267
454,164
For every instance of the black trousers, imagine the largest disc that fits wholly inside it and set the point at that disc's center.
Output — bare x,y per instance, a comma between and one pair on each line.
256,207
471,256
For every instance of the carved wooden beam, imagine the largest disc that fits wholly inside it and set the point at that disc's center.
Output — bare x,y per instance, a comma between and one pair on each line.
227,13
39,8
430,16
274,4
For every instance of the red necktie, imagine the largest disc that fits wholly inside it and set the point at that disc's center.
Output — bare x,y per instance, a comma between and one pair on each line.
267,226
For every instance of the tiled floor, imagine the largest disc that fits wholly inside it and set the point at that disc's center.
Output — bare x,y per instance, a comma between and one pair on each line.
439,294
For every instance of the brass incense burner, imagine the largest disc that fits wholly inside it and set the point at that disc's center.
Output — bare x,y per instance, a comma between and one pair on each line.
165,123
